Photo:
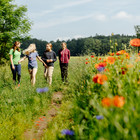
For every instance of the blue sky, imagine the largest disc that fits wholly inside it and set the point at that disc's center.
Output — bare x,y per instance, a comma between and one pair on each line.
67,19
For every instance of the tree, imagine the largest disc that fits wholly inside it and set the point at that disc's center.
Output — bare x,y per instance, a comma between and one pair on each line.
14,25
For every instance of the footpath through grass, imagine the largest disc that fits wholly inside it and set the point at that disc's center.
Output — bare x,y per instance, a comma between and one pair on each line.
20,107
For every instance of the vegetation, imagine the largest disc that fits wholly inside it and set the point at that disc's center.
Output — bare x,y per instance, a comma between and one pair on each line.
14,25
100,45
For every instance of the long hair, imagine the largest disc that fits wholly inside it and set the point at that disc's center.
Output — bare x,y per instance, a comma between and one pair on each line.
31,48
15,46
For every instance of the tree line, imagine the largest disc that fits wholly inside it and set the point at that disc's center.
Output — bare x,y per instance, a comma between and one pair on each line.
99,44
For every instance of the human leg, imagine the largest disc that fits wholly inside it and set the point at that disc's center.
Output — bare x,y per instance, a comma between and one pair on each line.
34,76
19,72
50,73
13,73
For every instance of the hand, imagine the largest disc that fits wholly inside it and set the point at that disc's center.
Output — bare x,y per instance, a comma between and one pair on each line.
45,65
13,67
18,62
49,60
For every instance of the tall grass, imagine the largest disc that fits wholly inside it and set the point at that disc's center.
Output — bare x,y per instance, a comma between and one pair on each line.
20,107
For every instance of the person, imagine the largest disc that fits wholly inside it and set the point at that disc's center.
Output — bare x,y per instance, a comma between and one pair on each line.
49,57
14,58
32,54
64,56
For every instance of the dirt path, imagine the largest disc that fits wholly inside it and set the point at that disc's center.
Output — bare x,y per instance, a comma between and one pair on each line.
37,130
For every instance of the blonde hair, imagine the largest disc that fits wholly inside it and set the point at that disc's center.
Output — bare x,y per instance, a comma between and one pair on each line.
31,48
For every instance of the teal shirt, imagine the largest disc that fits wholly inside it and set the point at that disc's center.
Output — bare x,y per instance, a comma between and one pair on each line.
16,56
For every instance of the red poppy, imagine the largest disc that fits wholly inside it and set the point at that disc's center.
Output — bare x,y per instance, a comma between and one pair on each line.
118,101
99,78
86,58
111,60
100,59
92,56
107,102
135,42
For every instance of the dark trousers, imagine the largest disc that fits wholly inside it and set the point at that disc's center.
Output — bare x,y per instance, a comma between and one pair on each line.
16,71
64,71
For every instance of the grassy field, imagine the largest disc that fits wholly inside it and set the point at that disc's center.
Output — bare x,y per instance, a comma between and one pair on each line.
101,101
19,107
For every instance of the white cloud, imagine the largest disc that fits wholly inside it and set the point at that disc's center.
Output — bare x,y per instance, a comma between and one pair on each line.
71,4
43,25
59,7
122,15
100,17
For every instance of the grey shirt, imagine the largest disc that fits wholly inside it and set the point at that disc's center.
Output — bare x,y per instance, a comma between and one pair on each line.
49,55
32,63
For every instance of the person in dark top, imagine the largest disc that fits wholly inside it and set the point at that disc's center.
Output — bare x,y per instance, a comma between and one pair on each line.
64,56
49,57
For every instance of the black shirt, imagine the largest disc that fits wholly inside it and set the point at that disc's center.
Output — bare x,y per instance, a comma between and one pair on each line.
49,55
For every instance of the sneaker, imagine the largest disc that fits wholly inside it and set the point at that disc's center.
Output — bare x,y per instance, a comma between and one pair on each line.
18,86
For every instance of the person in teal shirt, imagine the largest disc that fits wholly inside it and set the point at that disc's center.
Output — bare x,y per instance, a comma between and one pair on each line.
14,58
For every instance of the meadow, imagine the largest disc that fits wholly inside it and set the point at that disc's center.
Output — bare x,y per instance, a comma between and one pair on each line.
101,101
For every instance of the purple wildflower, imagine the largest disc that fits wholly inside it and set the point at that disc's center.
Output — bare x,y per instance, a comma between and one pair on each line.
67,132
41,90
99,117
100,69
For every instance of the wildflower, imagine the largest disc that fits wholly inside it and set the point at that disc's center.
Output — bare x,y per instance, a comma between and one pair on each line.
106,102
99,78
111,60
67,132
37,124
86,58
106,69
100,69
124,70
99,117
127,55
118,101
41,90
86,62
92,56
111,54
100,59
120,52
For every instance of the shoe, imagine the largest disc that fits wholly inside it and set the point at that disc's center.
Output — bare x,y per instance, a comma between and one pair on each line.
18,86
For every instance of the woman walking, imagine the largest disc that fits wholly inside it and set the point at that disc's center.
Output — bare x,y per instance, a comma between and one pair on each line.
14,58
32,54
64,56
49,57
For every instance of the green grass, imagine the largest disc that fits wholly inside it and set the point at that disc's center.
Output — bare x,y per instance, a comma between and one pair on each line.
81,102
19,107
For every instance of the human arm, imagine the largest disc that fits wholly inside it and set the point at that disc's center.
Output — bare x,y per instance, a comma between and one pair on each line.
41,61
69,54
11,60
22,59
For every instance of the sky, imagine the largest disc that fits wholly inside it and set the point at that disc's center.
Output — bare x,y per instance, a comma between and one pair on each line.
68,19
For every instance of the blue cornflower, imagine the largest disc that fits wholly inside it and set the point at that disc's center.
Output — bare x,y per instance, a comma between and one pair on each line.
67,132
99,117
100,69
41,90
